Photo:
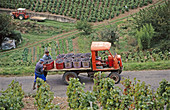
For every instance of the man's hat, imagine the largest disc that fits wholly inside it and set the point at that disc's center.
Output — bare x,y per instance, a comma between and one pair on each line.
46,51
41,60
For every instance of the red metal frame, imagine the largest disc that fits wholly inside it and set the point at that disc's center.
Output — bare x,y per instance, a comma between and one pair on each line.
114,62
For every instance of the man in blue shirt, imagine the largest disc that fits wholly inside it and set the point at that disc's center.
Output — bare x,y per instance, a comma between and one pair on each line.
39,72
46,58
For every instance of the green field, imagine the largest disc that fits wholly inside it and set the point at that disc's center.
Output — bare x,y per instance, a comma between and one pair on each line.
36,31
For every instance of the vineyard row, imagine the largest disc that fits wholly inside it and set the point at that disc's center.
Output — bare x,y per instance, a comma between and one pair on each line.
30,56
90,10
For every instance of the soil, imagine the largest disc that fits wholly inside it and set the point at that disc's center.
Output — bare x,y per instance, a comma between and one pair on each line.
29,103
75,45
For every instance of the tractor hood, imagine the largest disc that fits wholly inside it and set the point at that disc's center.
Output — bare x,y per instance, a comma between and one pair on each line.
98,46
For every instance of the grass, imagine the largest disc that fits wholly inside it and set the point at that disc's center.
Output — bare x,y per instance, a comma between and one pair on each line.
57,24
30,38
84,44
161,65
36,31
47,41
29,70
21,71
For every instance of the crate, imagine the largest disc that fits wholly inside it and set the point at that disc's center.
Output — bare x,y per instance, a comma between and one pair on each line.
49,66
85,64
61,56
77,62
60,63
78,55
68,63
86,55
69,55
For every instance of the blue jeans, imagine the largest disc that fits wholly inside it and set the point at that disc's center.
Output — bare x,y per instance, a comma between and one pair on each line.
40,76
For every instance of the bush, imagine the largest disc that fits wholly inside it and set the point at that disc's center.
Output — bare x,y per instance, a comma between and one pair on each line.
44,96
144,36
44,9
110,34
32,8
109,97
11,98
117,13
36,9
78,98
53,11
40,9
123,10
84,26
16,35
163,93
135,94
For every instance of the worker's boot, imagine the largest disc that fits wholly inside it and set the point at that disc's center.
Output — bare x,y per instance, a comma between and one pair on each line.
34,85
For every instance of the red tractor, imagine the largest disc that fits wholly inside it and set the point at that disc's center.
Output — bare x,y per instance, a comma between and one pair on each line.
20,14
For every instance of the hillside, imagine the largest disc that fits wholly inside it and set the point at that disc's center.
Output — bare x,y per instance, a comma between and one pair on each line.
90,10
63,38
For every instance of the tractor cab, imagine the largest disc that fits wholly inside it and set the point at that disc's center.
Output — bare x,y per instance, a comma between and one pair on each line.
103,59
20,14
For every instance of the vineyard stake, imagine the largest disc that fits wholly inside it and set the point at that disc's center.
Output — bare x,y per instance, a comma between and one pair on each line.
165,106
91,105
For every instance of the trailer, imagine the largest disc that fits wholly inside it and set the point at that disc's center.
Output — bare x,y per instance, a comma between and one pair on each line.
101,59
38,19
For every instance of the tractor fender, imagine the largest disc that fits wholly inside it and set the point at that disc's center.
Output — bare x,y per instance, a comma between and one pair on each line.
119,60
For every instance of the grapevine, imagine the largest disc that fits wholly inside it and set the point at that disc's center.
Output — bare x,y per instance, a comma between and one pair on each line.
92,11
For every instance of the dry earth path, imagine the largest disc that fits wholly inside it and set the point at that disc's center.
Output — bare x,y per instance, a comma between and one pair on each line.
152,77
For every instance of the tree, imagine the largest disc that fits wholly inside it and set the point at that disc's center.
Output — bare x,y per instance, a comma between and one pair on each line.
7,29
144,36
84,26
110,34
15,35
6,26
158,16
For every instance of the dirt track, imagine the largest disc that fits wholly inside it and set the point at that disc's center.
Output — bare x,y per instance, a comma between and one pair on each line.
59,88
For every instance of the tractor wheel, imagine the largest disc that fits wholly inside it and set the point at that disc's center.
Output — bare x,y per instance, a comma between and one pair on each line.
91,74
68,75
21,17
120,71
115,76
